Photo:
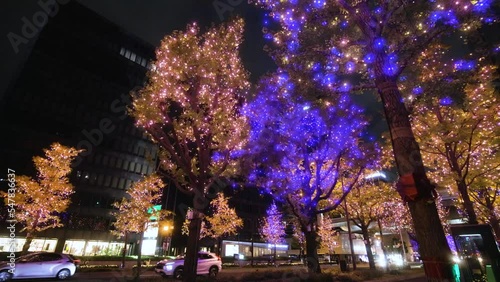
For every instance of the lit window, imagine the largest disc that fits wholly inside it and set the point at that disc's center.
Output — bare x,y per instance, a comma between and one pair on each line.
143,62
127,54
122,51
132,57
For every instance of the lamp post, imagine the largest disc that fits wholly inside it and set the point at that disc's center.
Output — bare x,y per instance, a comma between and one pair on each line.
348,220
167,229
353,256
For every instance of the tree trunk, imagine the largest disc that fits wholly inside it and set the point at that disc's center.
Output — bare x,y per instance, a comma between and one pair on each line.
368,247
468,206
124,252
219,246
493,220
251,250
495,224
139,257
191,257
433,247
27,243
275,262
311,250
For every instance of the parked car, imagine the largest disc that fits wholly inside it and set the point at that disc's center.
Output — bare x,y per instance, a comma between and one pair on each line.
38,265
208,264
293,258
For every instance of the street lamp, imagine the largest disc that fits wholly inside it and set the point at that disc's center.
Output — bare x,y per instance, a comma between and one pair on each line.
166,230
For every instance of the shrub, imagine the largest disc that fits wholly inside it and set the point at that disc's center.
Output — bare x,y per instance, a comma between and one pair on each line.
394,272
368,274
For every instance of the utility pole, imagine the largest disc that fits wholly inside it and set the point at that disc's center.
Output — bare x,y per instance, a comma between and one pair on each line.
353,256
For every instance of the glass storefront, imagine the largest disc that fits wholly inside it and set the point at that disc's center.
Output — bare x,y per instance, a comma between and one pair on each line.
75,247
243,248
37,245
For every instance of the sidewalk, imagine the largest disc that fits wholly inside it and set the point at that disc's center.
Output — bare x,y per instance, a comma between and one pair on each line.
414,277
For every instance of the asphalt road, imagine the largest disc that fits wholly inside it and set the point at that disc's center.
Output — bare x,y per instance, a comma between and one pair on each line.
126,275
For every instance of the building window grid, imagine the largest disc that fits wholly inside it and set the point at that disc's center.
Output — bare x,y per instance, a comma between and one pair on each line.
105,160
125,164
107,180
112,162
121,183
138,168
114,182
100,179
119,163
134,57
93,178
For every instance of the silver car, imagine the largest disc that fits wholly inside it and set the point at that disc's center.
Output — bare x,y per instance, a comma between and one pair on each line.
208,264
38,265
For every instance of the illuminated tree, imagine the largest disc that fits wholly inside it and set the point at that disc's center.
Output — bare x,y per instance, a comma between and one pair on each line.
185,226
366,205
302,152
273,227
329,237
397,217
347,46
37,203
223,222
137,209
190,108
459,134
487,204
299,236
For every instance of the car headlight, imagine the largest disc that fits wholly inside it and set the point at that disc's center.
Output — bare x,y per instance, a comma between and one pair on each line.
169,266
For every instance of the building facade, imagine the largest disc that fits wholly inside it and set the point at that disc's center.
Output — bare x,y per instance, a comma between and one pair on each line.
74,89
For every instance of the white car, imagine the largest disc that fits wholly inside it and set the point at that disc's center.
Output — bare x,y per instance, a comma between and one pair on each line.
208,264
38,265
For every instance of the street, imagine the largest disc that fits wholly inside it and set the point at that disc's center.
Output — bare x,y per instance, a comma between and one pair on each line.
226,275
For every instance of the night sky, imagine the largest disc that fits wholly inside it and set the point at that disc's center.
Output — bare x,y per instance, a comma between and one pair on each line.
151,20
